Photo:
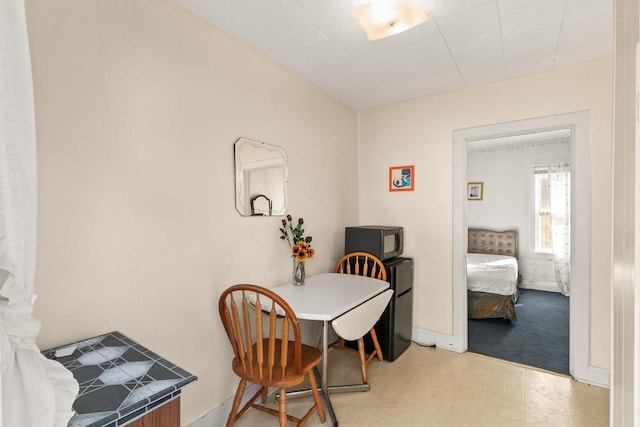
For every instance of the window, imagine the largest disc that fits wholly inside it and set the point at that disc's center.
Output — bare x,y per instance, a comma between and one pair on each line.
543,216
546,180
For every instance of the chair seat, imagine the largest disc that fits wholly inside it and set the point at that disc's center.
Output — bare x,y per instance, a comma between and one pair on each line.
310,357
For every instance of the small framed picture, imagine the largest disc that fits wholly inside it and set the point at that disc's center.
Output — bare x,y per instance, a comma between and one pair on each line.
474,191
401,178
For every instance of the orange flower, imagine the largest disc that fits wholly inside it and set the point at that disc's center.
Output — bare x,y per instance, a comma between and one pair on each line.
295,250
294,235
302,251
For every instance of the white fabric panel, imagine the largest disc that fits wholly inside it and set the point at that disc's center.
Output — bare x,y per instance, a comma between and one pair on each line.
35,391
560,208
496,274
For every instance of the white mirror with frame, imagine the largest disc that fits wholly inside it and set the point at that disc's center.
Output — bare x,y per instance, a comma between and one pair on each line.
261,178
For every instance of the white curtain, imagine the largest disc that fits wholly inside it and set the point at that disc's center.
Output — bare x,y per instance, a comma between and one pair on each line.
560,211
35,391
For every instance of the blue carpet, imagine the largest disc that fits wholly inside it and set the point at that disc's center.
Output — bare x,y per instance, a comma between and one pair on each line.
540,336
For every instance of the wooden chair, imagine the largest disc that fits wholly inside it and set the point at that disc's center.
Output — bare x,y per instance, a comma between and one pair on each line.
264,352
362,264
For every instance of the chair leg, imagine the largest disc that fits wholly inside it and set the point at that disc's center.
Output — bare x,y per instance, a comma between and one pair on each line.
233,415
374,337
264,394
363,360
316,396
283,407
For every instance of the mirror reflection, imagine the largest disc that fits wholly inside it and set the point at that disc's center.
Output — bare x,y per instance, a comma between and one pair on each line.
261,178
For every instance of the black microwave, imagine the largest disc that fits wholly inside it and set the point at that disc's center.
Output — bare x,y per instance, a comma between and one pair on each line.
384,242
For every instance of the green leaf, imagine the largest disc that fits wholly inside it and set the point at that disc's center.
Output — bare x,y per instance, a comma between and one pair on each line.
308,239
282,237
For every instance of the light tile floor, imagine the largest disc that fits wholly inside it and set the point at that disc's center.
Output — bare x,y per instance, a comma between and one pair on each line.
436,387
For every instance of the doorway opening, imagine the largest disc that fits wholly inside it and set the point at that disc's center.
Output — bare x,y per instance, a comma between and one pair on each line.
518,248
578,124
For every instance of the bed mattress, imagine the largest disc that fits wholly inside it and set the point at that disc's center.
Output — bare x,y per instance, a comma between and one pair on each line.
496,274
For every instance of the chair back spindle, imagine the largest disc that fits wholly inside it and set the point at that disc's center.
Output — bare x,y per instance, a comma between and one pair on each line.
362,264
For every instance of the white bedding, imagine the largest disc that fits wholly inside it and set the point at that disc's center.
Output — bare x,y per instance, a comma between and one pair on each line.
496,274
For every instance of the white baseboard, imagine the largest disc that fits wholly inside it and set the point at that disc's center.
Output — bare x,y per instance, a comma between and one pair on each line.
540,286
440,340
596,376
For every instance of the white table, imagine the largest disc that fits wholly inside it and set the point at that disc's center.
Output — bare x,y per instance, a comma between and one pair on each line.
325,297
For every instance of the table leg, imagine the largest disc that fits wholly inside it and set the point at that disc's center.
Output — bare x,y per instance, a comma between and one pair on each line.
328,408
325,353
324,380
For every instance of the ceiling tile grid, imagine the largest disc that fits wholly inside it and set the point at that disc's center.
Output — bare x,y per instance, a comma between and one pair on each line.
465,43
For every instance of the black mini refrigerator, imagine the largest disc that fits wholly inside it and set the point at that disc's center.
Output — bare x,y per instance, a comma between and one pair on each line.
395,326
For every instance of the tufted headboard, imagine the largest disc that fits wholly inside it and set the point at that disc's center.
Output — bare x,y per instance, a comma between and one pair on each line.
493,242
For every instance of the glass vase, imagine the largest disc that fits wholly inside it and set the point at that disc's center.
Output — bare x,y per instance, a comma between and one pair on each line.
298,272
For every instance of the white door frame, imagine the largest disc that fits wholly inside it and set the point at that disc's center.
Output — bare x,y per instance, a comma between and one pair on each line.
579,329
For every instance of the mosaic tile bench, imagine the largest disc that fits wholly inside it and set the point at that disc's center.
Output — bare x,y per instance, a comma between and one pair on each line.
121,382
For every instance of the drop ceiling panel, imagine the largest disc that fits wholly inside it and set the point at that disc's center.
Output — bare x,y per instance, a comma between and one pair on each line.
466,42
331,17
539,57
534,21
507,6
480,59
424,76
585,31
530,37
469,23
444,8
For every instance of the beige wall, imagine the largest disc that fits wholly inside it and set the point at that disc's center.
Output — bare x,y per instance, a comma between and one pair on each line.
138,104
419,132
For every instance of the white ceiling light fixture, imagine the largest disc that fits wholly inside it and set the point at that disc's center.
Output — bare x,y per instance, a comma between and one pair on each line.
384,18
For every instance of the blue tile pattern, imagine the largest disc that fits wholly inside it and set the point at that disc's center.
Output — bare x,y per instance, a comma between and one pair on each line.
119,379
